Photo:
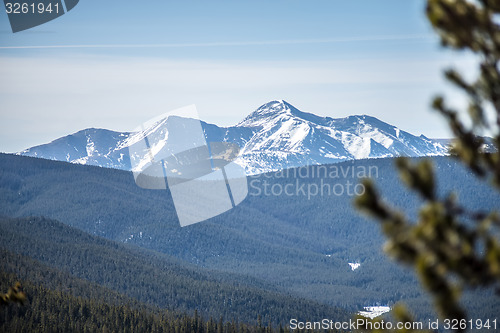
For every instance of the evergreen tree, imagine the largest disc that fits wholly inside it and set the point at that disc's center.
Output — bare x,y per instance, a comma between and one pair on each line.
450,246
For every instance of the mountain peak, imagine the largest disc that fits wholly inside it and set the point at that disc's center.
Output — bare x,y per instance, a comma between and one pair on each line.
276,103
272,109
276,106
275,136
277,110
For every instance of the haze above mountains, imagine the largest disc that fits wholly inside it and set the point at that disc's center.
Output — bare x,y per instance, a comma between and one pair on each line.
276,136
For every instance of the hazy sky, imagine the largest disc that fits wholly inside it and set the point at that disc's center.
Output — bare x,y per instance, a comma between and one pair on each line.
115,64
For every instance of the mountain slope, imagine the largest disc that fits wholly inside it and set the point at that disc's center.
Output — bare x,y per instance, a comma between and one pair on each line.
91,146
299,243
146,276
286,137
274,137
83,306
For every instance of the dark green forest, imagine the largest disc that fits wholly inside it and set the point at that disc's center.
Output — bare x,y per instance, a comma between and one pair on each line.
54,310
144,276
274,256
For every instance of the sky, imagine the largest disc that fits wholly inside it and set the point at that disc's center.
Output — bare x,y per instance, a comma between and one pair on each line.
115,64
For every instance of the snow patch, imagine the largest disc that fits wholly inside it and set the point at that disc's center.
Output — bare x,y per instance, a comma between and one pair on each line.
354,265
90,146
374,311
357,146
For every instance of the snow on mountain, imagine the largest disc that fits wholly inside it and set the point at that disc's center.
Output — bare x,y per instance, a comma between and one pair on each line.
286,137
275,136
91,146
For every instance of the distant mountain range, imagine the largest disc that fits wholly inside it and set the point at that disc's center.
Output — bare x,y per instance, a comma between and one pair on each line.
275,136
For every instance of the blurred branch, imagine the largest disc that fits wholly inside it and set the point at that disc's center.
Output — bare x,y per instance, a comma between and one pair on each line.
449,246
14,295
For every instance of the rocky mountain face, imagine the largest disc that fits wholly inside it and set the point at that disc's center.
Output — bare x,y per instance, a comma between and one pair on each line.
275,136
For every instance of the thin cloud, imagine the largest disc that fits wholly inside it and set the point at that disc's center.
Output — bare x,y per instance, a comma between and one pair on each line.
220,44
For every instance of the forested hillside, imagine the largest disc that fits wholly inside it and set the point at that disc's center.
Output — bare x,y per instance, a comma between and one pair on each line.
141,275
298,244
56,310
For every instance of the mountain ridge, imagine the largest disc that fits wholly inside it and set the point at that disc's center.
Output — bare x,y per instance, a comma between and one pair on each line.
298,243
139,276
275,136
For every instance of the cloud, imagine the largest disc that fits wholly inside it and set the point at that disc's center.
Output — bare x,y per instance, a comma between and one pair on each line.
226,44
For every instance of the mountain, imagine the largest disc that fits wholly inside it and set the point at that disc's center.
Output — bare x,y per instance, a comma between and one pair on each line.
488,145
302,243
285,137
90,146
127,274
276,136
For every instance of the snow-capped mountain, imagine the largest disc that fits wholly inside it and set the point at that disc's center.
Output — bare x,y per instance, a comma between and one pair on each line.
90,146
274,137
285,137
